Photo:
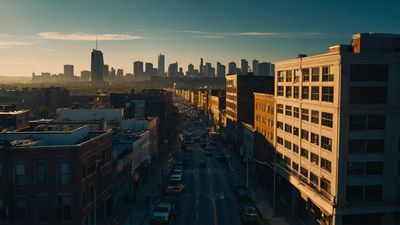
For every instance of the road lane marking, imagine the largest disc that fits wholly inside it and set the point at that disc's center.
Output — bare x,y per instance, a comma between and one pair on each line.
215,212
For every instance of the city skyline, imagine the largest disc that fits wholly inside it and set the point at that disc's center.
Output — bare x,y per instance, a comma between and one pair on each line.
184,32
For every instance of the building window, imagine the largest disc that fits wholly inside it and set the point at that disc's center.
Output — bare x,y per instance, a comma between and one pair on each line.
304,134
295,131
374,168
326,119
355,168
288,110
326,164
64,173
325,185
288,145
63,207
295,166
315,93
296,92
326,143
368,95
314,116
357,122
279,108
41,173
279,140
314,178
42,209
19,174
355,193
296,112
369,72
304,153
314,158
306,74
280,90
314,138
279,125
356,146
375,145
288,91
303,171
327,94
376,122
20,210
288,76
327,73
281,76
288,128
315,74
305,92
296,76
304,114
296,150
373,193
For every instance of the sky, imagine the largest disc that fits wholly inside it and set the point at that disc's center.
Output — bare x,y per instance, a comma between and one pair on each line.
43,35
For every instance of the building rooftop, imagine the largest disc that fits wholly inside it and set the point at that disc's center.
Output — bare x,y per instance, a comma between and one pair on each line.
17,112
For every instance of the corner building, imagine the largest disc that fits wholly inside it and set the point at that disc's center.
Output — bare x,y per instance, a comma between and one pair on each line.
337,135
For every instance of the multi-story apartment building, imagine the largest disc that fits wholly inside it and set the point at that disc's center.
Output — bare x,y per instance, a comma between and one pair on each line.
337,131
55,174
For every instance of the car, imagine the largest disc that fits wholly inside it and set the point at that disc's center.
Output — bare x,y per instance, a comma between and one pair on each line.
177,172
175,178
202,163
175,188
162,213
248,214
170,199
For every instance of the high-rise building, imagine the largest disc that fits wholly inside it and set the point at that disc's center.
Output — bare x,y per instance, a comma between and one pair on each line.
120,72
97,66
173,70
138,68
161,64
106,72
190,71
201,67
69,70
337,131
85,75
180,74
149,69
265,69
208,70
244,66
255,67
112,73
221,70
232,68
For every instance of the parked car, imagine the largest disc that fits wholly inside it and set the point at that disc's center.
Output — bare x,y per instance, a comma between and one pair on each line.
162,213
175,188
170,199
248,214
175,178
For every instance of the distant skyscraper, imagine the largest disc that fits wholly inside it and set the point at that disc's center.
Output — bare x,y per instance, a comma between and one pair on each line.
232,68
105,72
265,69
149,69
255,67
138,68
161,64
220,70
173,70
244,66
85,75
97,66
69,70
190,71
201,67
120,72
112,73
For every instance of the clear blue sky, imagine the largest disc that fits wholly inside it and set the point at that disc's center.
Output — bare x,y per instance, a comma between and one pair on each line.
43,35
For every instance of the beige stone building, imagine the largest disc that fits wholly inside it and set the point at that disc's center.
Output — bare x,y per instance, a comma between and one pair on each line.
337,131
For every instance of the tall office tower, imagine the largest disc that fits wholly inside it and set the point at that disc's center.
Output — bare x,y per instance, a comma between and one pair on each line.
232,68
97,66
244,66
180,74
85,75
190,71
220,70
265,69
207,70
112,73
120,72
201,67
105,72
337,131
255,67
69,71
173,70
138,68
149,69
161,64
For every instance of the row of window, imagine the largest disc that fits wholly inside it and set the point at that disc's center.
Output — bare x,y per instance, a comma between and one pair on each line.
367,122
326,118
366,146
326,142
264,107
361,194
325,93
41,173
42,215
324,163
365,168
304,73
